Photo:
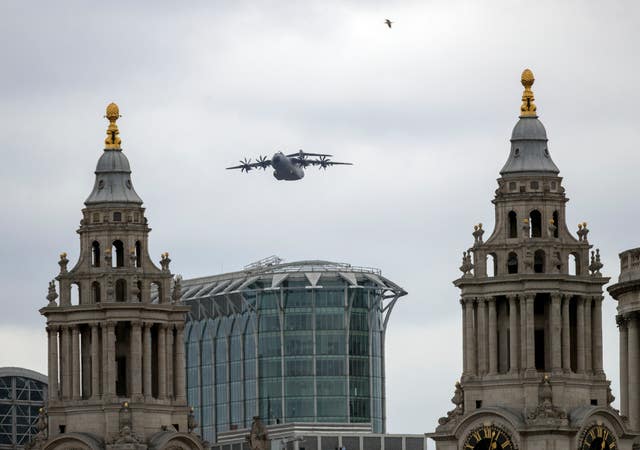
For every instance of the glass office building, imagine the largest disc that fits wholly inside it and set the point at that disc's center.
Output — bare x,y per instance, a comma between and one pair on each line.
295,342
22,393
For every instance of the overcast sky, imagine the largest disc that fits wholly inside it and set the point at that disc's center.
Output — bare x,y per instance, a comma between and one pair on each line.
424,110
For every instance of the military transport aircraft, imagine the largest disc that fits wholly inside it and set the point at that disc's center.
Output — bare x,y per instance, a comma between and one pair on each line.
289,167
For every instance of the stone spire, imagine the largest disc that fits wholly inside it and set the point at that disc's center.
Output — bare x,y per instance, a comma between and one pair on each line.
113,173
529,149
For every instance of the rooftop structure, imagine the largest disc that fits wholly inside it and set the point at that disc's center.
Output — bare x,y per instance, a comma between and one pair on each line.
22,393
289,342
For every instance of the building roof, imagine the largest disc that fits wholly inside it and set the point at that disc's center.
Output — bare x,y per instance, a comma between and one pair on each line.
113,181
21,372
272,275
529,150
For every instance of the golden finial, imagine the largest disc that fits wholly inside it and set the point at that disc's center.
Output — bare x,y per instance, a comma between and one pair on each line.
112,142
528,108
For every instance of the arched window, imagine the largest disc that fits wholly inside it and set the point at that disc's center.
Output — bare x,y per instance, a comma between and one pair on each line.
158,295
574,264
95,254
121,290
512,263
74,295
538,261
117,253
513,224
138,254
535,220
556,223
95,292
139,295
492,265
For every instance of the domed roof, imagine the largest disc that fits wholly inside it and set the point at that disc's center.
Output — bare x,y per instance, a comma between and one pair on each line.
529,150
113,181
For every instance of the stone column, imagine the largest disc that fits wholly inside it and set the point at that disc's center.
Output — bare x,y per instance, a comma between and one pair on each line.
180,369
170,358
580,334
75,362
95,363
597,336
136,360
162,361
588,353
556,344
513,335
110,368
522,306
482,336
146,360
470,351
634,373
566,335
103,367
531,353
52,332
465,368
65,360
493,337
624,366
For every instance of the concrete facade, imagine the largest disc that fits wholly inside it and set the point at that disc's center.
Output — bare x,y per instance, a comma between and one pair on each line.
531,305
116,359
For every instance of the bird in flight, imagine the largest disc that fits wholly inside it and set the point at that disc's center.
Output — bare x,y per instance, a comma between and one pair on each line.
388,22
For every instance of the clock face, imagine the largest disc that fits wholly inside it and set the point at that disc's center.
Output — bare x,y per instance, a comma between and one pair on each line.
598,437
488,437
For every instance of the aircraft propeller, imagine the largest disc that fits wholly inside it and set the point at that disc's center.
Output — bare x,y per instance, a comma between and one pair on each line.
245,165
262,162
324,162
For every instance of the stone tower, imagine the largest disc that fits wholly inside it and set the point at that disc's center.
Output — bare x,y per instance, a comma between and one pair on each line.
627,292
531,316
116,353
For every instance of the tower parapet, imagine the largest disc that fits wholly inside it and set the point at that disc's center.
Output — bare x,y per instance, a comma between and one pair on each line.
116,358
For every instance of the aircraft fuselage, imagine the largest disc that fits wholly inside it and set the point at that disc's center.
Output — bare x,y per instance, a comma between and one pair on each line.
285,169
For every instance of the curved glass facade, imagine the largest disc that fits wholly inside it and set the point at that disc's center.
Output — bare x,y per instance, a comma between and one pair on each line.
299,346
22,394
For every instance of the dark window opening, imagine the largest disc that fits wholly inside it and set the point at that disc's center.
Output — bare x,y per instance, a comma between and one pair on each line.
573,336
512,263
139,294
594,401
138,254
118,254
535,219
62,428
177,427
95,254
121,289
513,186
538,261
535,185
539,353
555,222
478,404
513,224
95,292
117,217
121,380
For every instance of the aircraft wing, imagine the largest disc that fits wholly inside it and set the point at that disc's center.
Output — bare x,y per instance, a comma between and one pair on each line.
247,166
325,162
303,154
